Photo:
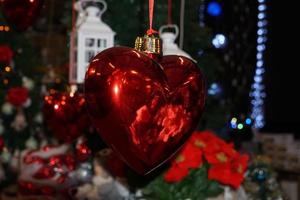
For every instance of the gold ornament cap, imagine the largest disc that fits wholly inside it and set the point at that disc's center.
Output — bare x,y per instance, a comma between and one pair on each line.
149,44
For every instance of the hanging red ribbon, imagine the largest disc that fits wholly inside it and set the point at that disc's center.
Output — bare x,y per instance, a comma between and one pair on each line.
169,12
72,69
151,8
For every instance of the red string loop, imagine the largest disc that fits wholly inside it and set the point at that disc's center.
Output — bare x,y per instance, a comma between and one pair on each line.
151,8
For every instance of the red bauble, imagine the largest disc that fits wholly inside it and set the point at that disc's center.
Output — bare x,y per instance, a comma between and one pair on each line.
83,152
6,54
144,110
17,96
66,115
21,13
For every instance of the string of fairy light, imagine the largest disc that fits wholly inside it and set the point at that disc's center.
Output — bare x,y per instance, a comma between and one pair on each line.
4,28
256,119
258,93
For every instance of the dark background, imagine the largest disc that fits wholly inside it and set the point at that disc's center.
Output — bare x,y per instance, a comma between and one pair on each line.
282,77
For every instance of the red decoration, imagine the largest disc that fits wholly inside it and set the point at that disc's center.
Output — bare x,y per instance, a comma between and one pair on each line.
21,13
190,157
227,166
176,173
82,152
230,173
2,144
46,170
66,115
143,109
6,54
17,96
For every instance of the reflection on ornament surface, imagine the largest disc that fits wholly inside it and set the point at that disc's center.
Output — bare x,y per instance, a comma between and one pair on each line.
143,109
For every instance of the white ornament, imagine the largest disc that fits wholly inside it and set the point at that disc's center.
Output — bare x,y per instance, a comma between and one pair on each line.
44,142
28,83
60,150
15,160
31,143
27,103
19,122
168,38
230,194
38,118
7,108
102,188
92,36
5,156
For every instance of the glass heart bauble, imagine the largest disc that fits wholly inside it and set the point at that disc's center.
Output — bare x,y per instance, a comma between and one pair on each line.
66,115
144,110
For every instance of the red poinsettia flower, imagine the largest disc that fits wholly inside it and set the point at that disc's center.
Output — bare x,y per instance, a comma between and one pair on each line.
230,173
17,96
240,163
190,157
227,165
207,140
215,149
220,173
176,173
6,54
219,154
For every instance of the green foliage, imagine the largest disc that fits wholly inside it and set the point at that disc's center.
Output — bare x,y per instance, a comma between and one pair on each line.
26,59
195,186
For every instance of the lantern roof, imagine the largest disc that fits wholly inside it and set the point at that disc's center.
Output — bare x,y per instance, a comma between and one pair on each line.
169,45
93,22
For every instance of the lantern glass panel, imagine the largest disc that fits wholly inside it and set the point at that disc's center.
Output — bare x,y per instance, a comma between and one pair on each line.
89,55
89,42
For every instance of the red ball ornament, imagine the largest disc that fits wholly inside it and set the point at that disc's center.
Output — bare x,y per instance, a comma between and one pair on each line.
17,96
83,152
6,54
21,13
66,115
143,109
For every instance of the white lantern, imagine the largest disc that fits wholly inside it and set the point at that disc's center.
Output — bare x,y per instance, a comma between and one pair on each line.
91,36
168,38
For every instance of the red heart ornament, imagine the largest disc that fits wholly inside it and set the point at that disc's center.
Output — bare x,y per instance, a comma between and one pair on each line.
144,110
66,115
